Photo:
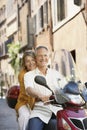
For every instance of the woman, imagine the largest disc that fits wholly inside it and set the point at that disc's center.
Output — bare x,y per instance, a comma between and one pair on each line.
25,103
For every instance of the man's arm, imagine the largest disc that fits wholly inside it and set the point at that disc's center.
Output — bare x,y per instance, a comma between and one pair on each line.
34,92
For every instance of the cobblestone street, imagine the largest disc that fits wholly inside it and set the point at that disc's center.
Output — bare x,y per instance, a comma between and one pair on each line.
7,117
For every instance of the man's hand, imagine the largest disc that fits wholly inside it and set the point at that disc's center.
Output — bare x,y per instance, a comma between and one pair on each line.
44,98
39,97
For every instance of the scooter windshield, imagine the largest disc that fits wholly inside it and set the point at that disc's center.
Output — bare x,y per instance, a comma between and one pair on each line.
64,62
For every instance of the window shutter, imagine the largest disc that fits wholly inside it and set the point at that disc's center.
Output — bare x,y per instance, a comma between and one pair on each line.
1,50
60,9
45,13
31,32
41,17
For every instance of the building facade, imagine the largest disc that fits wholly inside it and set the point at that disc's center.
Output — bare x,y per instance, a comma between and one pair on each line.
57,24
70,31
62,24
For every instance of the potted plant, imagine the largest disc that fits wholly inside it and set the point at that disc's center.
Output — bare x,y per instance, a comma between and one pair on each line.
13,52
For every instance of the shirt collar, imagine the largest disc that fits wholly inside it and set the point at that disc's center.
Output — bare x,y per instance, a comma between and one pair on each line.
39,72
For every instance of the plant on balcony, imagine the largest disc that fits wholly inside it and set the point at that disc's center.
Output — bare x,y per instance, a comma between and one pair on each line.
13,52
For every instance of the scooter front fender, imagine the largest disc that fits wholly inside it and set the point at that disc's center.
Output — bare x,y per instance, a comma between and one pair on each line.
76,119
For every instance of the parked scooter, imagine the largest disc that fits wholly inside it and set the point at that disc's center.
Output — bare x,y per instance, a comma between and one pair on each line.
71,99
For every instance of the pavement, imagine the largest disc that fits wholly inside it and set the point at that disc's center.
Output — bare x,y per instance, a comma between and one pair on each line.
8,119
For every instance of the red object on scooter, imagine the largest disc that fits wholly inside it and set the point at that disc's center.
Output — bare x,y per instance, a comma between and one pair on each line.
72,118
12,96
74,115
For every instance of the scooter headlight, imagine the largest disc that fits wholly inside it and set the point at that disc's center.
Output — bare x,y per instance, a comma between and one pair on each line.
66,125
76,99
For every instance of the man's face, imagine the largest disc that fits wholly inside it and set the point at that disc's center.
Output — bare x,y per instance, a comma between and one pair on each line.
42,57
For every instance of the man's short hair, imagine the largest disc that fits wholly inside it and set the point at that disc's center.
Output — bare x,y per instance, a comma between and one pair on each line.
40,47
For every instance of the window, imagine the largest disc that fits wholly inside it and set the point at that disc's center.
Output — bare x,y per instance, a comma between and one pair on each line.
41,17
2,32
34,23
78,2
73,53
2,13
63,10
39,20
60,10
9,41
34,5
31,31
1,49
45,13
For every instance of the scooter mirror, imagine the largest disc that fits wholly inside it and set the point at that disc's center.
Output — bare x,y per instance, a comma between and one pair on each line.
86,84
42,81
84,94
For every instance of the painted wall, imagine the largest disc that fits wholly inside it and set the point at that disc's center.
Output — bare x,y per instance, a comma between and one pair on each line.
73,35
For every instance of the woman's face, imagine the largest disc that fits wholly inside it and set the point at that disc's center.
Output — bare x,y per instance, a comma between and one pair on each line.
30,63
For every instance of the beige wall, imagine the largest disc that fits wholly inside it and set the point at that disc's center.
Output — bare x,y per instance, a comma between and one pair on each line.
44,39
2,2
73,35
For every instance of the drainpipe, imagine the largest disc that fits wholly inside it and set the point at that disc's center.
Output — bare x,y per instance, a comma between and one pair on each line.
51,35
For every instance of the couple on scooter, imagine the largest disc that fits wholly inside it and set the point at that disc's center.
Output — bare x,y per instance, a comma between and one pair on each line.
43,116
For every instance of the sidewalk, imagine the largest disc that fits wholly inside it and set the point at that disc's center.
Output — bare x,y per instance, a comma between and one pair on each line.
7,117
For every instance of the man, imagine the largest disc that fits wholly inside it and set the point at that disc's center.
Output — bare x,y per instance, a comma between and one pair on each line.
42,113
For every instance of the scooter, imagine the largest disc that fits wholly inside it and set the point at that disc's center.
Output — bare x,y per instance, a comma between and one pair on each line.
73,116
73,101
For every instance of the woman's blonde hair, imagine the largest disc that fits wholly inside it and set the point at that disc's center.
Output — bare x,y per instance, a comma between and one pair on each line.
27,53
